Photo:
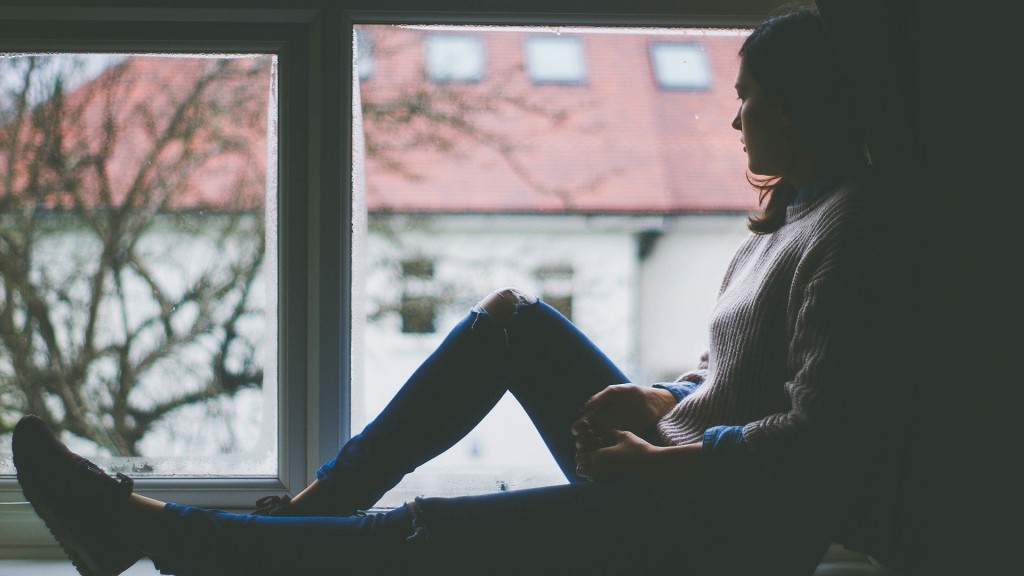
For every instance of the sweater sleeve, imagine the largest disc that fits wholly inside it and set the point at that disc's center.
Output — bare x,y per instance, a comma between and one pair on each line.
724,452
678,389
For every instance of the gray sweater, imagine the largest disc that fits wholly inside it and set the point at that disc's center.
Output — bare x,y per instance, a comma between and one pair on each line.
789,341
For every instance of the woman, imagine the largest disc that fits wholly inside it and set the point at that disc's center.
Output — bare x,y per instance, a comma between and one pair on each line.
724,471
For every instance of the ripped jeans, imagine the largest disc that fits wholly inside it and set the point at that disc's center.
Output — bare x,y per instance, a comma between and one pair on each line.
580,528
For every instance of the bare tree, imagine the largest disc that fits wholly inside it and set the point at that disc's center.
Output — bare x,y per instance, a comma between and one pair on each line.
109,186
107,322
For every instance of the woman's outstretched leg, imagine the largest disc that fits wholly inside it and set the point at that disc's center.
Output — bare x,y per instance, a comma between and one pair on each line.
509,341
581,528
105,528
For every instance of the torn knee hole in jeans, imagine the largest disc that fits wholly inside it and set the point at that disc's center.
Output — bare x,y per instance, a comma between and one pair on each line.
497,305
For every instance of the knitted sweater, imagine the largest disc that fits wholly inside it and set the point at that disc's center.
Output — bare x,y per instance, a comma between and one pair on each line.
788,342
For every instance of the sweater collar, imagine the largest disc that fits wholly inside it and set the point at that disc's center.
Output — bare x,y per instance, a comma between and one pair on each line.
816,187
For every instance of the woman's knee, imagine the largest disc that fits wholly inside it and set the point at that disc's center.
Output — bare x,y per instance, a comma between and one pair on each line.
501,305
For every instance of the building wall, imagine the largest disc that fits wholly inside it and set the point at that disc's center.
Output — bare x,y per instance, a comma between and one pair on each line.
679,283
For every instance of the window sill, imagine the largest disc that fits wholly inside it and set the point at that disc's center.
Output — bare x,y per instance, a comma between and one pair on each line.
837,562
62,568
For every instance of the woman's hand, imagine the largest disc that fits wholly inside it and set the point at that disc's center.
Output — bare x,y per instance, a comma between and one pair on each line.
623,454
626,455
627,407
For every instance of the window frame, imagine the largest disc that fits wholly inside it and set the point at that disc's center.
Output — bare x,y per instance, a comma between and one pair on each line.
310,423
312,39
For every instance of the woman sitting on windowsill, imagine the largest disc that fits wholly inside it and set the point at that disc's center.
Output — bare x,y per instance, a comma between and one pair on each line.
726,471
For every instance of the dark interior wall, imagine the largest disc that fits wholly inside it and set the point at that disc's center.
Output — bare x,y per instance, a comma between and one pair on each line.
929,76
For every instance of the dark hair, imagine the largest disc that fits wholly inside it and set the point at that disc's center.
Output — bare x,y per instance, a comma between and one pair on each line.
791,57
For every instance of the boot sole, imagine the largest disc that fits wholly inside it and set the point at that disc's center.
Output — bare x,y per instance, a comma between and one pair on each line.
72,546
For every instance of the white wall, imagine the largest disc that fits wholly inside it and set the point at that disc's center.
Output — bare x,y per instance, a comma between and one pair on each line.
679,284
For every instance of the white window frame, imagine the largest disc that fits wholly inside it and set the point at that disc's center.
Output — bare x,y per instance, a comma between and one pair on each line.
310,422
312,39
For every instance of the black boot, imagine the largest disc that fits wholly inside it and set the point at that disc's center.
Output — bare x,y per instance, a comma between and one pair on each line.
84,508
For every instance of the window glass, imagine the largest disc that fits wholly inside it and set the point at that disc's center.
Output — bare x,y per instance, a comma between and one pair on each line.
615,201
680,65
455,58
555,59
137,269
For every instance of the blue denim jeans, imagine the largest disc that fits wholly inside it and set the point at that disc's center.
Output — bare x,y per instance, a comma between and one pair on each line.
580,528
547,364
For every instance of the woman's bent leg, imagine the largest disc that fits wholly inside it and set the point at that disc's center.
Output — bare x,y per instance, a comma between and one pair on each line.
548,364
440,403
554,369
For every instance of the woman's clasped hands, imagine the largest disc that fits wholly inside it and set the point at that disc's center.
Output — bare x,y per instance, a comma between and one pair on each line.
609,442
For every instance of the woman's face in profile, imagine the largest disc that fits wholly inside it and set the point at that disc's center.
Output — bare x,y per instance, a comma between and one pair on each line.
763,126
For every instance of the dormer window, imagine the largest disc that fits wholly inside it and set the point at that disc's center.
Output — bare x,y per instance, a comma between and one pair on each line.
680,66
455,58
555,60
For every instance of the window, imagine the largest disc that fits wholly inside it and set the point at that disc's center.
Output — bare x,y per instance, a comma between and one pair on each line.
556,287
455,58
364,55
310,220
555,60
418,300
555,192
163,364
681,66
213,327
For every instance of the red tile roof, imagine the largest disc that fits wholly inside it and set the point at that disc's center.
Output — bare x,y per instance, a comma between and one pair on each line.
624,145
616,143
125,116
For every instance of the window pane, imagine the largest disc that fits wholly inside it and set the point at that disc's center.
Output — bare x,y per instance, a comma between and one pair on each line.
135,273
680,65
555,59
618,202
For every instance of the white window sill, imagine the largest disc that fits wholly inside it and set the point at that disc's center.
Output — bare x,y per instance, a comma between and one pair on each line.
837,562
62,568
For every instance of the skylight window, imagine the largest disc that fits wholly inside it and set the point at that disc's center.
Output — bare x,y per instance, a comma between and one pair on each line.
455,58
555,60
364,54
680,66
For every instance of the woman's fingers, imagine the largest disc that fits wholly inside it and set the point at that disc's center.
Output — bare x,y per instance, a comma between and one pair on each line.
581,426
